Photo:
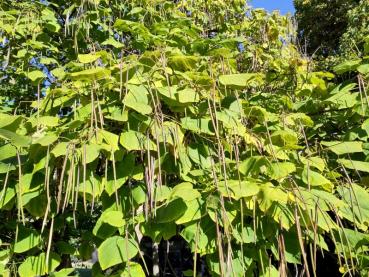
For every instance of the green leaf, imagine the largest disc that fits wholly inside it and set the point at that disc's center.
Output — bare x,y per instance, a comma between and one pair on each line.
157,232
7,195
355,165
111,41
363,69
237,80
357,205
35,75
27,239
139,194
315,179
60,149
138,99
316,162
347,66
298,119
7,120
184,191
48,121
123,170
108,223
238,189
58,73
6,167
90,152
113,218
202,125
91,74
199,154
45,140
254,165
258,113
284,138
36,265
132,140
193,212
270,194
110,138
341,148
7,151
182,62
133,270
15,139
201,237
175,97
281,170
63,272
116,250
171,211
244,235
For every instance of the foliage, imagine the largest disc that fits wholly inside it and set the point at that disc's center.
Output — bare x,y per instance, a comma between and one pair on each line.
353,40
321,24
170,118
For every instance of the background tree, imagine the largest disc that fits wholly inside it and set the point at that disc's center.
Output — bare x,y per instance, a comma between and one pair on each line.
322,23
356,34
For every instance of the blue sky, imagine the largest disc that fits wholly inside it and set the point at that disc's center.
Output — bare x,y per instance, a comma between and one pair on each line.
284,6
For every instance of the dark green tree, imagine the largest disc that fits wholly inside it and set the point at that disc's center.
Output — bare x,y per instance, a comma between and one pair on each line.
321,24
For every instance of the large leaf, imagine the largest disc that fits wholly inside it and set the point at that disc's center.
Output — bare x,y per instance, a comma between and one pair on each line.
356,165
91,74
132,140
7,120
315,179
184,191
281,170
27,239
108,223
346,66
116,250
357,205
138,99
237,189
171,211
238,80
133,269
14,138
37,265
202,125
88,58
341,148
35,75
193,212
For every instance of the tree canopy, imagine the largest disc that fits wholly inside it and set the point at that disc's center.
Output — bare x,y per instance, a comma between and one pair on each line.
200,121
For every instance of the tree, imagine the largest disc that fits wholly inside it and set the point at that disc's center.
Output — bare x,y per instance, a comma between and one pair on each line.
357,31
161,121
321,24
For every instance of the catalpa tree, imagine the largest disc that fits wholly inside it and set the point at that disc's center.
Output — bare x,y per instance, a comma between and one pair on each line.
132,123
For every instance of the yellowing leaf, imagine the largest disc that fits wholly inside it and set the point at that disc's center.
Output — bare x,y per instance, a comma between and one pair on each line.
35,75
88,58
